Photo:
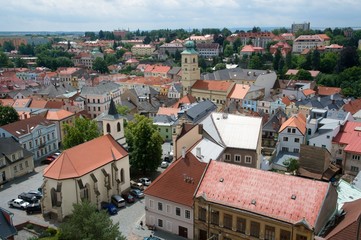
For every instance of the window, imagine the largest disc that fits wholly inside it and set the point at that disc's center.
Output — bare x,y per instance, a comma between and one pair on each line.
108,128
151,203
354,169
293,130
215,217
241,225
15,169
187,214
297,140
296,150
340,151
288,130
30,145
98,108
122,175
26,164
328,137
300,237
13,157
227,221
270,233
324,146
177,211
168,209
160,206
118,127
227,157
355,157
285,235
21,166
202,212
284,149
248,159
98,100
285,139
255,227
160,223
237,158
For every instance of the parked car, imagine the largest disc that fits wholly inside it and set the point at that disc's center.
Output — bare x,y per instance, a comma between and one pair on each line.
128,198
137,193
164,164
49,159
151,238
18,203
136,185
109,207
145,181
168,159
36,193
33,208
118,201
30,198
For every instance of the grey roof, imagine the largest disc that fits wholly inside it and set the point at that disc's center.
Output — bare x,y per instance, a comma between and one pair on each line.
200,111
321,131
25,93
54,91
103,88
144,91
234,74
7,228
174,70
274,123
9,146
323,102
165,119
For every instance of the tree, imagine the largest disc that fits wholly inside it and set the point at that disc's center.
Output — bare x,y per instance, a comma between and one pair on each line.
316,60
4,60
111,59
255,62
20,63
8,115
83,130
237,45
228,51
8,46
101,34
177,55
119,53
145,144
291,164
304,75
276,59
288,60
328,62
122,109
220,66
100,65
63,62
348,58
86,222
147,40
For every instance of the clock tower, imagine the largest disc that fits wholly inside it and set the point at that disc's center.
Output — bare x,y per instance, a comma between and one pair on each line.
190,69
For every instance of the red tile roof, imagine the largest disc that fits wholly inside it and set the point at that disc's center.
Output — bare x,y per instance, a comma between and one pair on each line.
308,92
85,158
353,106
25,126
348,227
172,185
169,111
187,99
327,91
38,103
54,104
58,114
298,122
237,186
212,85
239,91
350,135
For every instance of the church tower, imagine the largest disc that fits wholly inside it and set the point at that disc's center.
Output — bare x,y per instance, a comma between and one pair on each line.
112,123
190,69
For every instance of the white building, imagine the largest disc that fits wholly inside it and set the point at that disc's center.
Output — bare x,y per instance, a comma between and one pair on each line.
292,134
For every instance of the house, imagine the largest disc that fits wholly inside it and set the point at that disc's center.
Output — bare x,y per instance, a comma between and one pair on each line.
353,106
60,117
52,91
208,50
156,71
15,161
7,228
91,171
173,74
111,122
36,134
98,97
171,209
175,91
169,49
133,63
292,134
237,94
284,47
309,42
248,50
271,128
228,204
295,27
346,148
143,49
165,125
258,39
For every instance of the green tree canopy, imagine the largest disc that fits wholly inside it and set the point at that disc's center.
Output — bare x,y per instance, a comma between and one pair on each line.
86,222
220,66
100,65
4,60
228,51
83,130
20,63
111,59
255,62
122,109
303,75
8,115
145,144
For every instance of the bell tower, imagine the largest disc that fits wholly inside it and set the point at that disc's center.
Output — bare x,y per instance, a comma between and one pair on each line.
190,69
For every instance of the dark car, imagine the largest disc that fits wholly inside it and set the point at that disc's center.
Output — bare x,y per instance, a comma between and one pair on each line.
30,198
36,193
109,207
128,197
137,193
33,208
118,201
151,238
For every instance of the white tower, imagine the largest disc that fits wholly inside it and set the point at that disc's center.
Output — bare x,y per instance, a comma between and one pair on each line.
190,69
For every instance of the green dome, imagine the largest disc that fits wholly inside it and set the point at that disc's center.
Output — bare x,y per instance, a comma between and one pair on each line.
189,44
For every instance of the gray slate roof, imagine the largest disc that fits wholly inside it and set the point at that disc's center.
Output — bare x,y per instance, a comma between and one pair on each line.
8,146
200,111
233,74
102,88
323,102
52,91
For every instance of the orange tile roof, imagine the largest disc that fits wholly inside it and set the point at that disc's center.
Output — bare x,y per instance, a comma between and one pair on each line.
239,91
68,71
54,104
213,85
298,122
169,111
350,134
176,174
187,99
353,106
286,101
38,103
327,91
58,114
85,158
7,102
22,102
160,69
237,186
248,48
308,92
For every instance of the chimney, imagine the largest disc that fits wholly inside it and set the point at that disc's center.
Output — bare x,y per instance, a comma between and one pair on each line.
319,99
198,153
183,152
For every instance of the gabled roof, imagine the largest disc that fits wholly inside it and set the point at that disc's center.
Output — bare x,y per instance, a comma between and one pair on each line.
350,135
298,122
185,174
239,91
102,88
169,111
353,106
58,114
200,110
22,102
187,99
308,92
237,187
85,158
26,126
327,91
38,103
222,86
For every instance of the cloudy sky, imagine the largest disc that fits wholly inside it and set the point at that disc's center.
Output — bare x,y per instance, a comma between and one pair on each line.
95,15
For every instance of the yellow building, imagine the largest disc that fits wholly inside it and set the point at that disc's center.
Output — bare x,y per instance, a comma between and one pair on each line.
190,69
234,202
143,49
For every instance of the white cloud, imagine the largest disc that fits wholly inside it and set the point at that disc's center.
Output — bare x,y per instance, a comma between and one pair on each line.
93,15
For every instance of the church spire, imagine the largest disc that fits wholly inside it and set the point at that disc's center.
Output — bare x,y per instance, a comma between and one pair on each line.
112,109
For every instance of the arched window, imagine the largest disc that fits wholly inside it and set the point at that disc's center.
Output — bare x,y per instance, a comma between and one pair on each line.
87,192
108,128
53,197
185,60
122,175
194,60
118,127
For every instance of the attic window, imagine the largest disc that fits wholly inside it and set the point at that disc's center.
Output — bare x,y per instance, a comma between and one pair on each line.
254,202
221,179
293,197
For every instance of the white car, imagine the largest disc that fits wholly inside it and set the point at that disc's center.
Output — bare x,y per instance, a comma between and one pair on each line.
18,203
145,181
164,164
